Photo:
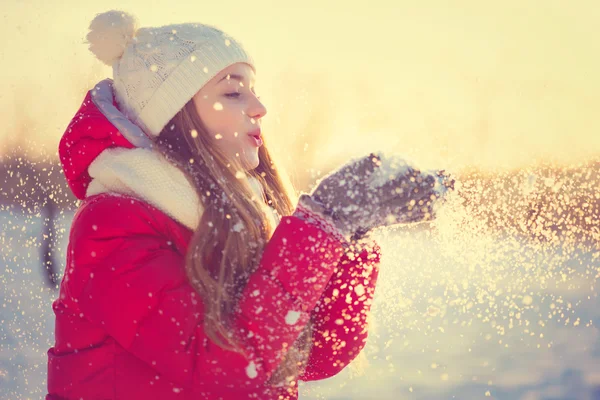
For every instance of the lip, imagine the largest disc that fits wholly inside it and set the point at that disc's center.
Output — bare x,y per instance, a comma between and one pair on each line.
255,132
255,137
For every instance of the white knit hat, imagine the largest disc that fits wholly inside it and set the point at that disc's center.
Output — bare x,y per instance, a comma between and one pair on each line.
157,70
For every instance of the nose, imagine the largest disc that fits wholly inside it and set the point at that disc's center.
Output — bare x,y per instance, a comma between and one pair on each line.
257,110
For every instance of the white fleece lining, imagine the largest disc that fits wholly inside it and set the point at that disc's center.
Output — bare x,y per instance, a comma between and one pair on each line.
147,175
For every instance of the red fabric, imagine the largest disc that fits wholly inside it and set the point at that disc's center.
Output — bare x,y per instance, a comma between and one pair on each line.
129,325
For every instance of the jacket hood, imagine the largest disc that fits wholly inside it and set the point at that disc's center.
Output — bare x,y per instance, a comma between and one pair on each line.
98,125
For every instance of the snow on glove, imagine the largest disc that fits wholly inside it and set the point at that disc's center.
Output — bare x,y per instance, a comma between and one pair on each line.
419,194
376,191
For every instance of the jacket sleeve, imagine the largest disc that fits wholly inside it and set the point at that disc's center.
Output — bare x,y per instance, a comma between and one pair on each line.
132,283
340,318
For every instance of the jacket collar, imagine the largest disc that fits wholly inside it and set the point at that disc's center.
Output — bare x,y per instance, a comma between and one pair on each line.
146,174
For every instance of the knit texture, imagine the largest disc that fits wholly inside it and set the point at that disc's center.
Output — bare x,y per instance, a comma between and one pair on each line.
308,211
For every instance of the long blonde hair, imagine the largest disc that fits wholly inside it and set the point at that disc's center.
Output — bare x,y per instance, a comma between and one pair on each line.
219,261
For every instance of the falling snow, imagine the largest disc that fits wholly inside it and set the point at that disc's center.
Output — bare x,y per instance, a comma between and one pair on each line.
238,227
251,370
292,317
497,298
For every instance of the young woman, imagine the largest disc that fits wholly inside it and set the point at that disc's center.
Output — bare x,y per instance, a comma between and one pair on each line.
192,271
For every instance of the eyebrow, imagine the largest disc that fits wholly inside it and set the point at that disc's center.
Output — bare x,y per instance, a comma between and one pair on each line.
232,76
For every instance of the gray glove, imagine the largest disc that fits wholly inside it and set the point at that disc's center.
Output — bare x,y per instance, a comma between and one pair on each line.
377,191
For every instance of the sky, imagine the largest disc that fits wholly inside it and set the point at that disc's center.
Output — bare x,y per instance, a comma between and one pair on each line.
461,83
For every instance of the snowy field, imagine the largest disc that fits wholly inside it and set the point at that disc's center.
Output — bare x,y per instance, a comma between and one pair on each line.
459,314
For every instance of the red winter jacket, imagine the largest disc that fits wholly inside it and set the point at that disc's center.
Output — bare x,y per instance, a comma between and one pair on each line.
129,326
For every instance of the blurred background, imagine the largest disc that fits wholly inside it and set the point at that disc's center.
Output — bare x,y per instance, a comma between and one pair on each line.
497,299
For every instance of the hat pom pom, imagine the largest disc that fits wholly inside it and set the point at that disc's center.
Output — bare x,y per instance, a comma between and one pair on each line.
110,32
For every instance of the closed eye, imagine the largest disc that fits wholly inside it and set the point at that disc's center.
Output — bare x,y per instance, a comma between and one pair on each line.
236,95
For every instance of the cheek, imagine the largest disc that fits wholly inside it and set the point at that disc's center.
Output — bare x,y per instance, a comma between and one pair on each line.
233,127
228,139
227,121
222,122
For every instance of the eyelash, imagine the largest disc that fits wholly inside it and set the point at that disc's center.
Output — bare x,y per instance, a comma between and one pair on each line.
233,95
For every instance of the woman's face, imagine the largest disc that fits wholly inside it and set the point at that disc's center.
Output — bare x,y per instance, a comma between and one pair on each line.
231,112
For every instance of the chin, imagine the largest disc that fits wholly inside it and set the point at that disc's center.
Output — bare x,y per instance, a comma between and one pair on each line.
252,164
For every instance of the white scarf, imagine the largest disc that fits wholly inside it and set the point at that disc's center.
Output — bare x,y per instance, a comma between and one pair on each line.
147,175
